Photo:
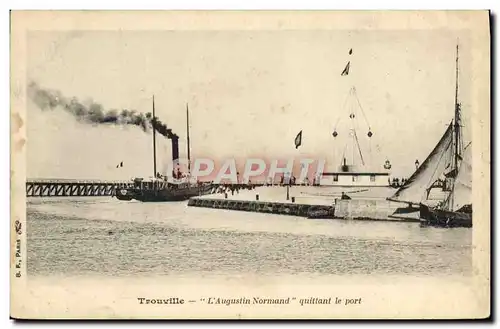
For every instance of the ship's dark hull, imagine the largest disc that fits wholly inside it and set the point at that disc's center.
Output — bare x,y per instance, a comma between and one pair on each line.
170,194
124,197
123,194
443,218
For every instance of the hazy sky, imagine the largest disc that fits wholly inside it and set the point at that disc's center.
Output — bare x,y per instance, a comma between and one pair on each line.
249,94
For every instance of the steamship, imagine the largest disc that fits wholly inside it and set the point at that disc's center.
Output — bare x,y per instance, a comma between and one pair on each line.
162,188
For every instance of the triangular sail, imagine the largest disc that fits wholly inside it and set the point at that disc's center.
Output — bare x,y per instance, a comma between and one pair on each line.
462,189
416,187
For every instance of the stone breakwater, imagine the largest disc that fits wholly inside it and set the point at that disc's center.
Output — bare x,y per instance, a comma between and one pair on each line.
365,204
278,208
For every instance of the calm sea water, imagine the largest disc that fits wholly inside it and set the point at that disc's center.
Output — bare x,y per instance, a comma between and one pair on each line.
106,237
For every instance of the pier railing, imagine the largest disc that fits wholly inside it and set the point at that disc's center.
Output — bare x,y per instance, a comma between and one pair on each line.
81,188
70,187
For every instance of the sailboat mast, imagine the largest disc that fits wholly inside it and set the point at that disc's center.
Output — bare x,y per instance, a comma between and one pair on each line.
188,143
154,138
457,117
456,138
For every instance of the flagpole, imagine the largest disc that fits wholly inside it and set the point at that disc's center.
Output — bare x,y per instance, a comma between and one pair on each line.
154,139
188,144
350,107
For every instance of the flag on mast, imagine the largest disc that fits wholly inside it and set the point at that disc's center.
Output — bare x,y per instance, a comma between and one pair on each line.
346,70
298,140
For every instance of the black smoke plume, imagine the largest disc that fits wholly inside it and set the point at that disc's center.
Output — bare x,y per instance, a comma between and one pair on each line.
94,113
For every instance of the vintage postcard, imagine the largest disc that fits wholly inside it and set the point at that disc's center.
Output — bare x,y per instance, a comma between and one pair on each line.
250,165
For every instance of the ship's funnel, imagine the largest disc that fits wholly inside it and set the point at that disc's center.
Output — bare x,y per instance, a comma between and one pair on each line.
175,147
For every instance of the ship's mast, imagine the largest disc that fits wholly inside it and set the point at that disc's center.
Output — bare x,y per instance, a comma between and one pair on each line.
188,144
457,118
457,138
154,139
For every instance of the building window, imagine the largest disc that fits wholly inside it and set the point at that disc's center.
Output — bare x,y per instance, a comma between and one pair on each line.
335,178
372,178
354,178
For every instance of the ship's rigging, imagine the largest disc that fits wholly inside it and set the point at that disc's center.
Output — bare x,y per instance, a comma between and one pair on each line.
449,159
174,164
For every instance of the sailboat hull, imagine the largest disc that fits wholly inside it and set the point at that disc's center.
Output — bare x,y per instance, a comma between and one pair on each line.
444,218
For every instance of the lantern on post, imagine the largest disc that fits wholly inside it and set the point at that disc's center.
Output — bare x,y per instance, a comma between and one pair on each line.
417,164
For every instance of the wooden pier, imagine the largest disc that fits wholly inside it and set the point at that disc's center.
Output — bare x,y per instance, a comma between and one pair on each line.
66,187
83,188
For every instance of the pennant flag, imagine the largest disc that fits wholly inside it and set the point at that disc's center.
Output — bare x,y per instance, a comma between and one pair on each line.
346,70
350,52
298,140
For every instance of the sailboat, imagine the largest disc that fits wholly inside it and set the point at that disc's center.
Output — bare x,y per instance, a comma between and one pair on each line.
456,211
162,189
450,162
